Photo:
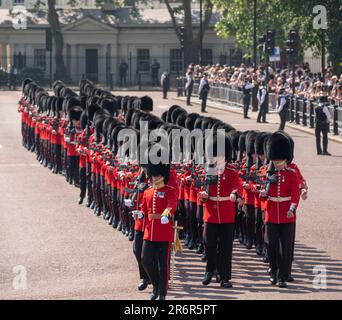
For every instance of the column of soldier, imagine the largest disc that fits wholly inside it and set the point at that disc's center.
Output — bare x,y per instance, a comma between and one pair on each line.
253,199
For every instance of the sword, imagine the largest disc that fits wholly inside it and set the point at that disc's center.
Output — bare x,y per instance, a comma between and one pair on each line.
174,248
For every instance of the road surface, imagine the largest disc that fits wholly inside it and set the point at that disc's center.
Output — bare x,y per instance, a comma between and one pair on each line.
53,248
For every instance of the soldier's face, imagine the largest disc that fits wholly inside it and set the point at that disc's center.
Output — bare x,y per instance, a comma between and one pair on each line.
279,164
76,123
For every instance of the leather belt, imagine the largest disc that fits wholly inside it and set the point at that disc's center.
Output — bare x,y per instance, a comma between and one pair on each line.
279,199
153,216
219,198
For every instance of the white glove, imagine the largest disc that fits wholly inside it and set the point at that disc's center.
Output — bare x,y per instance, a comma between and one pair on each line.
164,220
128,202
232,197
67,140
137,214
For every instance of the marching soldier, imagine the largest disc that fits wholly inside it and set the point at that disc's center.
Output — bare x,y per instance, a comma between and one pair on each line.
219,217
281,205
158,206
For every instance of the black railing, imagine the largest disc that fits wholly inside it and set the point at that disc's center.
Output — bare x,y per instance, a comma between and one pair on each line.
302,112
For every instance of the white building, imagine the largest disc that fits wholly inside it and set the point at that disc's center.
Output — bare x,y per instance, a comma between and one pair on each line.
96,41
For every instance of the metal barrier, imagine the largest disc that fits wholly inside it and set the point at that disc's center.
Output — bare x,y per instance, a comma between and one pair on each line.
220,94
302,111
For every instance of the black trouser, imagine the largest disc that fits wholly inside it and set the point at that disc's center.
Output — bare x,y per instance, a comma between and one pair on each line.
262,112
250,223
199,216
58,157
137,250
83,182
193,222
187,217
280,237
188,95
155,260
258,227
89,183
115,204
282,116
74,163
240,223
246,103
322,127
103,188
165,93
123,77
204,102
218,239
155,82
293,246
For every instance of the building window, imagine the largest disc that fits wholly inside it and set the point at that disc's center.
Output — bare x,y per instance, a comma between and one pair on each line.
144,60
176,61
207,57
40,58
15,2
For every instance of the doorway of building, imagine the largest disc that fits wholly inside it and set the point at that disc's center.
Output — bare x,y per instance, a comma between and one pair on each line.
92,64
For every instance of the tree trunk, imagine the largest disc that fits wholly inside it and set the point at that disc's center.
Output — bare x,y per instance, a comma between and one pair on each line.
192,42
61,71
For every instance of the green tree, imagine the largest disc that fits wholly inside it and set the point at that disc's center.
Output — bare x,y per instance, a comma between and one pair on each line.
237,21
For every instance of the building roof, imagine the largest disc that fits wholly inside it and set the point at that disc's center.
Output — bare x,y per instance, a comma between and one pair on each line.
120,17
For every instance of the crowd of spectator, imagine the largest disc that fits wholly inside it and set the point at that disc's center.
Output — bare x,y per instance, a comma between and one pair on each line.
308,85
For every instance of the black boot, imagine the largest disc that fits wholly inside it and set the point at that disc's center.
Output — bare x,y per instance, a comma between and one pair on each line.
80,201
200,249
154,294
207,278
131,236
115,223
143,284
226,284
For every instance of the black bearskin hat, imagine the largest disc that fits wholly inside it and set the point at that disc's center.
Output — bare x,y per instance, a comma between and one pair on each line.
162,169
146,103
279,147
250,139
190,121
180,121
228,150
170,111
75,113
259,142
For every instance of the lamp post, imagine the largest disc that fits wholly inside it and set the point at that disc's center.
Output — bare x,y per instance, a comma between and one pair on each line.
201,32
255,36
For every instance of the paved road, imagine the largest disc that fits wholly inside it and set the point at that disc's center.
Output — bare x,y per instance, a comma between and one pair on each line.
68,253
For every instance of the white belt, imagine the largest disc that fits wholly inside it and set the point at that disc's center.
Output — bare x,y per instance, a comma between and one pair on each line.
279,199
219,198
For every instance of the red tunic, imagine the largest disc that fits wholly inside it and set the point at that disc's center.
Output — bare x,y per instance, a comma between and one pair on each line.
287,190
218,210
155,202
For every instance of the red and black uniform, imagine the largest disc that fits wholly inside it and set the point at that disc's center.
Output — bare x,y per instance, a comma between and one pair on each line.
248,197
83,163
219,218
73,156
139,225
281,196
157,236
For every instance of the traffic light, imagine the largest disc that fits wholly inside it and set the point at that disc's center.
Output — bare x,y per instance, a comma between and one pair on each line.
182,37
270,41
292,43
262,41
48,40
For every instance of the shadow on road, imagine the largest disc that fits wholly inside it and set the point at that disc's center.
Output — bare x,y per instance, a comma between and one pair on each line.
250,275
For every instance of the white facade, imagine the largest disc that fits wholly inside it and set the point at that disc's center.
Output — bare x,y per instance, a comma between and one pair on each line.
97,43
